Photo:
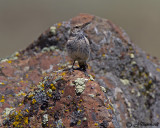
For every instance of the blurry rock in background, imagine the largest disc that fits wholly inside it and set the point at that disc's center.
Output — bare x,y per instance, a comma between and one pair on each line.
22,21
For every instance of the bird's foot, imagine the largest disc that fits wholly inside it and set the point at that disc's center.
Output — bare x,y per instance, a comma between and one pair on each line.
83,70
71,70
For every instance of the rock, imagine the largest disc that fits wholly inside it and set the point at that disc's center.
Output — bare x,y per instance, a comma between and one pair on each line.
123,90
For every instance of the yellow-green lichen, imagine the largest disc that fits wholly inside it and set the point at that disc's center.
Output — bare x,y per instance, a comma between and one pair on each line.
103,89
49,92
34,101
7,111
21,93
80,85
91,95
131,56
48,49
30,95
59,123
45,119
79,122
125,81
53,30
91,78
133,62
84,118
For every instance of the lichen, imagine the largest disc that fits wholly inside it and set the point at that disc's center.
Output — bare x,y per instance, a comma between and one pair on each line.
80,85
45,119
10,58
91,78
2,99
125,81
1,83
91,95
21,93
48,49
53,30
103,89
7,111
59,123
131,56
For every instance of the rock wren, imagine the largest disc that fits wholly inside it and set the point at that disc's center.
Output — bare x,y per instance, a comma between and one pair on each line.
78,47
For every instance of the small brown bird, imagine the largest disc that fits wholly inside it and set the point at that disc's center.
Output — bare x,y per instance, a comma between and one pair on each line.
78,47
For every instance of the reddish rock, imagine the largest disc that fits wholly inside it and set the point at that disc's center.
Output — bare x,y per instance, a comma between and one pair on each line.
37,87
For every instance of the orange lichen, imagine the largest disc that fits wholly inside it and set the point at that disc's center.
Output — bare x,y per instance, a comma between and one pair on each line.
95,124
26,75
80,100
50,107
63,74
2,100
9,61
42,85
34,101
109,107
2,83
20,104
27,110
79,122
158,69
147,57
21,94
103,55
19,119
30,96
16,124
66,110
53,87
79,109
59,25
50,95
26,120
21,81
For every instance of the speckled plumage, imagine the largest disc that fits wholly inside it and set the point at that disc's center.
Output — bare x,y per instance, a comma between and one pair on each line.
78,47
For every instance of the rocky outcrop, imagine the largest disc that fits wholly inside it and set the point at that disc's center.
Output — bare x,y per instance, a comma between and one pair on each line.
122,89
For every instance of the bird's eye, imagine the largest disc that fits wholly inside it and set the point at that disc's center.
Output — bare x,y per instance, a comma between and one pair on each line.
76,27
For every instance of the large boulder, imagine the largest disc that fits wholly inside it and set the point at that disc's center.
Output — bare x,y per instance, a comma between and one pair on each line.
122,89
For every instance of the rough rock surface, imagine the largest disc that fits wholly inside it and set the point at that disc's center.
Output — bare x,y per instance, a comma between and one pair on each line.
36,91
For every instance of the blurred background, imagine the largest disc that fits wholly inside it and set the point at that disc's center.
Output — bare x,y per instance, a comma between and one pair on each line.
21,22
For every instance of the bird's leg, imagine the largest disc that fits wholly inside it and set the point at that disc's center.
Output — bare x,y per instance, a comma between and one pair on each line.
73,65
83,67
